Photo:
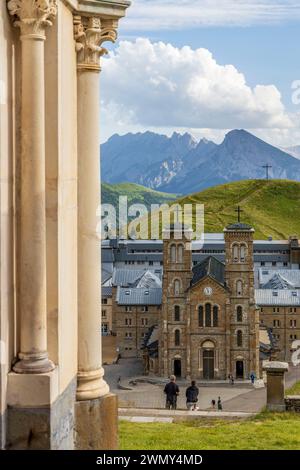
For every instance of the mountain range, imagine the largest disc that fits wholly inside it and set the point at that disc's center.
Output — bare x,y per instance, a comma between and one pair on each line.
180,164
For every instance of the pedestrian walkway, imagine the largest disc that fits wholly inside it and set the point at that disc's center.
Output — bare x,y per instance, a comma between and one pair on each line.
139,415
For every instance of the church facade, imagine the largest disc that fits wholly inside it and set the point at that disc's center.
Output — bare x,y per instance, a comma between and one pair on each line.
209,326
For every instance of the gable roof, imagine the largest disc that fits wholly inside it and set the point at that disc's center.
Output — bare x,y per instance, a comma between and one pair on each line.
138,296
211,267
278,282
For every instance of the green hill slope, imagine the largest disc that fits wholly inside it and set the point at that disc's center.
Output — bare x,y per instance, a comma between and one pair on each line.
271,207
136,194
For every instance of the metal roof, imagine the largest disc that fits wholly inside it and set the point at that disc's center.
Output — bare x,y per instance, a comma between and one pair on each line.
135,296
278,282
239,226
283,298
212,267
106,291
290,275
131,277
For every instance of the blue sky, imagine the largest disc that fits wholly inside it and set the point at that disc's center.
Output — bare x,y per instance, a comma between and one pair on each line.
259,39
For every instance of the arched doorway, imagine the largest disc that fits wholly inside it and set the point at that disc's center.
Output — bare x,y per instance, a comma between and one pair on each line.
177,367
240,369
208,351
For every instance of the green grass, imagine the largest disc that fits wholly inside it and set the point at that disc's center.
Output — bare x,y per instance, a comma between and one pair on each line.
136,194
267,431
294,390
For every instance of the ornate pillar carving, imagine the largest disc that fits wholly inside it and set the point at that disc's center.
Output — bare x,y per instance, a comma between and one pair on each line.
89,33
32,17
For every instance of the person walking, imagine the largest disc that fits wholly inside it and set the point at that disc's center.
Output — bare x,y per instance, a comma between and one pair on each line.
252,377
191,394
171,391
220,406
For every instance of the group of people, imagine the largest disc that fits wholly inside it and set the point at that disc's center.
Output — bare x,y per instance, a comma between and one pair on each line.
192,392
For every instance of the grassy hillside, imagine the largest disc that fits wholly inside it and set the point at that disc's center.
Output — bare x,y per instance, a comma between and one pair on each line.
136,194
271,207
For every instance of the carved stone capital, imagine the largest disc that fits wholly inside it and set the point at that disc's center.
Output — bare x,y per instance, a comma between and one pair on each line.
90,33
32,16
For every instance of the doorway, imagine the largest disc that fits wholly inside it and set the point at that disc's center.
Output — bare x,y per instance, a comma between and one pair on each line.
177,367
208,364
239,369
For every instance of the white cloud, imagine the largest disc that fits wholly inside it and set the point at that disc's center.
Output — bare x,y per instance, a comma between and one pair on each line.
178,14
156,85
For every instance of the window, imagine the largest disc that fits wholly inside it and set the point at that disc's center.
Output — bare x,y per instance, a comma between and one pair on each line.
128,321
276,310
276,323
128,308
145,308
180,253
173,253
200,316
104,301
261,309
239,314
274,263
150,263
243,253
128,335
144,321
239,288
263,263
215,316
235,253
239,338
293,337
285,264
176,313
208,315
176,287
177,337
293,323
103,313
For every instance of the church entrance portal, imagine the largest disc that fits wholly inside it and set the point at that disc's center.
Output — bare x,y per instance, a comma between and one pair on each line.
177,367
239,369
208,364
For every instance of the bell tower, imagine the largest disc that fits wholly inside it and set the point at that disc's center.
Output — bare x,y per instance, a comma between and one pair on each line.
242,330
177,275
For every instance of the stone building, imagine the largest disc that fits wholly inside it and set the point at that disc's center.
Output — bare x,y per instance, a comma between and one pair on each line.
209,326
52,390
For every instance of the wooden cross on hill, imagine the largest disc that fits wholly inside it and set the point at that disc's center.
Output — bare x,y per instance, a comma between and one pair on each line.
239,210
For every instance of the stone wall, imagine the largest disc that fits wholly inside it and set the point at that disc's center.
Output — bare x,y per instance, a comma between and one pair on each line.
292,403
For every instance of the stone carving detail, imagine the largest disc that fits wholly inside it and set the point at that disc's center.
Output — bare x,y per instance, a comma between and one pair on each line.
90,33
32,16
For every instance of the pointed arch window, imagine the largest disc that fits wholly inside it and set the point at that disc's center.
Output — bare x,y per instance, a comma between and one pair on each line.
208,315
239,314
239,338
200,316
215,316
176,313
177,337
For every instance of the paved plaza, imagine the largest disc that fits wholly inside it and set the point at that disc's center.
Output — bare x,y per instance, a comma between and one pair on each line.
242,397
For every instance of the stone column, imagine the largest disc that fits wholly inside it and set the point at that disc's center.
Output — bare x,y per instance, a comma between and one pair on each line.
32,17
92,390
275,384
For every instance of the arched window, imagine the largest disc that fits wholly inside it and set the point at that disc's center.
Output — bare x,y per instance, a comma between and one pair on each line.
239,338
176,287
173,253
243,253
207,315
200,316
239,288
215,315
180,252
177,337
235,253
239,314
176,313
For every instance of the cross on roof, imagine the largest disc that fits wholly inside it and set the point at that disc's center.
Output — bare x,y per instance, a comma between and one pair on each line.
239,210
